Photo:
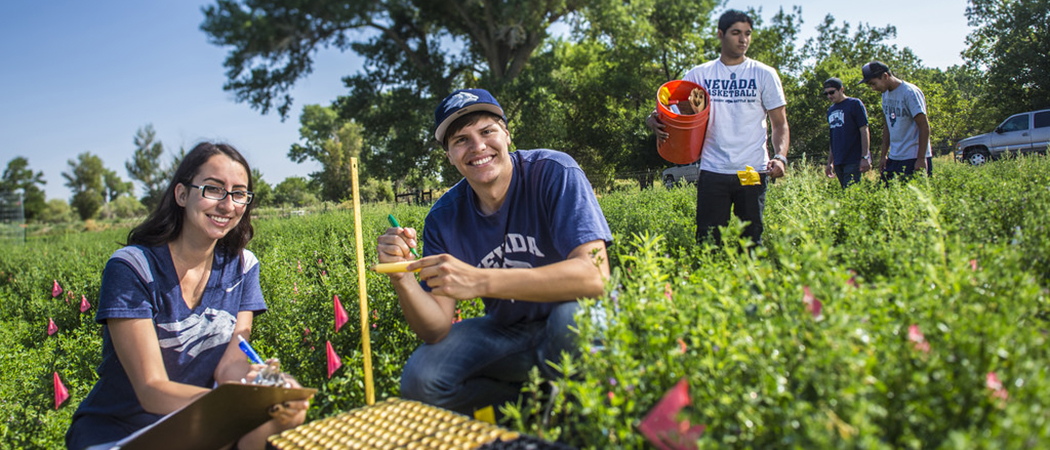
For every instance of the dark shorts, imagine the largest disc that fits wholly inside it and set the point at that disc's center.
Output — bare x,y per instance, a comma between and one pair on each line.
718,194
904,168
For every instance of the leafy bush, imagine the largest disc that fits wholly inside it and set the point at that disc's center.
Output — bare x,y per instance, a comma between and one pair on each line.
123,207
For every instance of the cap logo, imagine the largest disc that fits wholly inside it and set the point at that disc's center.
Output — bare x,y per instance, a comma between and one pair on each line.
459,100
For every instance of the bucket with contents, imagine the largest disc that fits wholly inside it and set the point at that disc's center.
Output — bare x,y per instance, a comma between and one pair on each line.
685,140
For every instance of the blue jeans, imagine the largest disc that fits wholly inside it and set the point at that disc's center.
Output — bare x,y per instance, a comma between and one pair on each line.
904,168
482,363
848,174
717,194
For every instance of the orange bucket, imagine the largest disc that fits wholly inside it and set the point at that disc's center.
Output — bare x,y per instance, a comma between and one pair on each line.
685,140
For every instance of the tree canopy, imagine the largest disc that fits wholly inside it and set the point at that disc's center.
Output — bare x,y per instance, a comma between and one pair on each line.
85,179
18,176
1011,44
145,165
331,142
581,76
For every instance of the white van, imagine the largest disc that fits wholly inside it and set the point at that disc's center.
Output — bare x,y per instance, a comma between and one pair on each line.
1021,133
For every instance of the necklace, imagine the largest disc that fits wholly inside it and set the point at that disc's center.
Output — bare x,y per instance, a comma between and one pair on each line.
732,73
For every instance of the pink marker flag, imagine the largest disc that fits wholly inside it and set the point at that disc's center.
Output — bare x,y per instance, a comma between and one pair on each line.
661,426
918,339
84,305
998,391
334,362
340,313
56,290
813,304
61,394
51,327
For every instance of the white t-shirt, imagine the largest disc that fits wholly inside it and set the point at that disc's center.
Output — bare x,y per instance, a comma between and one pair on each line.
899,107
736,127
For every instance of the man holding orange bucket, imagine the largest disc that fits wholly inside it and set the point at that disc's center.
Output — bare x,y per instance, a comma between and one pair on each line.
743,94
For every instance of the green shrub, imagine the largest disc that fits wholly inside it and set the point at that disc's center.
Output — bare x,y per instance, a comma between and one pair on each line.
963,256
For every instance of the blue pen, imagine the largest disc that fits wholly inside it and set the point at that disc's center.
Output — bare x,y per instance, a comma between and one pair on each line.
248,350
393,223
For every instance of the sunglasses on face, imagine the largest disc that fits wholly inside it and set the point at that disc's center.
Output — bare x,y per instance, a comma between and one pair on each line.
829,93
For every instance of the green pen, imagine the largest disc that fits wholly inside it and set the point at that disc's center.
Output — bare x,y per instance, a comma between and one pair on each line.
395,224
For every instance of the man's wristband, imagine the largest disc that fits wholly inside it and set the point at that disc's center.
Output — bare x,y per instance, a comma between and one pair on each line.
781,158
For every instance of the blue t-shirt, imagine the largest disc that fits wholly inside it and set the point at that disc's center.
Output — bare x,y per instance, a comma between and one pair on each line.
141,283
550,209
845,119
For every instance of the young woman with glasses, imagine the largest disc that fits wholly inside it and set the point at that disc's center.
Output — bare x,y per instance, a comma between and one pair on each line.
173,303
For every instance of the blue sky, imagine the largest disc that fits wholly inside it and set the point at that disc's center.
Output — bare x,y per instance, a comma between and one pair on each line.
80,76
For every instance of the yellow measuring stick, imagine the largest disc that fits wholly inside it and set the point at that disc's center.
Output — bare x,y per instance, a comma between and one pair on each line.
393,267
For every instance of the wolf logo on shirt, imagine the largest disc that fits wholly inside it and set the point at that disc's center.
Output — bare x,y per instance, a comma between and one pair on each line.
836,119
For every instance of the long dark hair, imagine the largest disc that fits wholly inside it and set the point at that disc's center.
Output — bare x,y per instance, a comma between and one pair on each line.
164,224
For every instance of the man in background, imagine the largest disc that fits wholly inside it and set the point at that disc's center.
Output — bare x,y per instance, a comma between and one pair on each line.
848,124
744,93
906,129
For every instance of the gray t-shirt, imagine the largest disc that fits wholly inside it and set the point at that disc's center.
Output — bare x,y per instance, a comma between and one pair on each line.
900,106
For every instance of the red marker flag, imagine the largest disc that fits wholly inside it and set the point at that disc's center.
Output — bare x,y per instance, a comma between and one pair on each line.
661,427
51,327
334,362
56,290
84,305
61,394
340,313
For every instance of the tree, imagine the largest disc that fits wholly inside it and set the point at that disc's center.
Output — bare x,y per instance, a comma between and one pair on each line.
331,142
17,176
406,43
416,52
84,178
114,186
294,191
374,190
124,207
589,95
56,210
262,190
145,165
1010,46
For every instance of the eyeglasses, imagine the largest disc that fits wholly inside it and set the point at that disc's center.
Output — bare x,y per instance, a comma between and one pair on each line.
218,193
829,93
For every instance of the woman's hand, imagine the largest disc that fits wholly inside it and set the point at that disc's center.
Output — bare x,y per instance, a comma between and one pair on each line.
291,413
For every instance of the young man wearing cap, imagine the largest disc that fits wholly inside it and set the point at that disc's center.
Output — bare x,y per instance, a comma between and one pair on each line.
849,155
905,130
743,93
524,232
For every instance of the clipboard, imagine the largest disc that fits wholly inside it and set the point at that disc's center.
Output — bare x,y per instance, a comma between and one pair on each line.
215,419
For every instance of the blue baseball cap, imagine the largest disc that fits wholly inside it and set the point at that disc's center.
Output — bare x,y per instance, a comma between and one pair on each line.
462,102
873,69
